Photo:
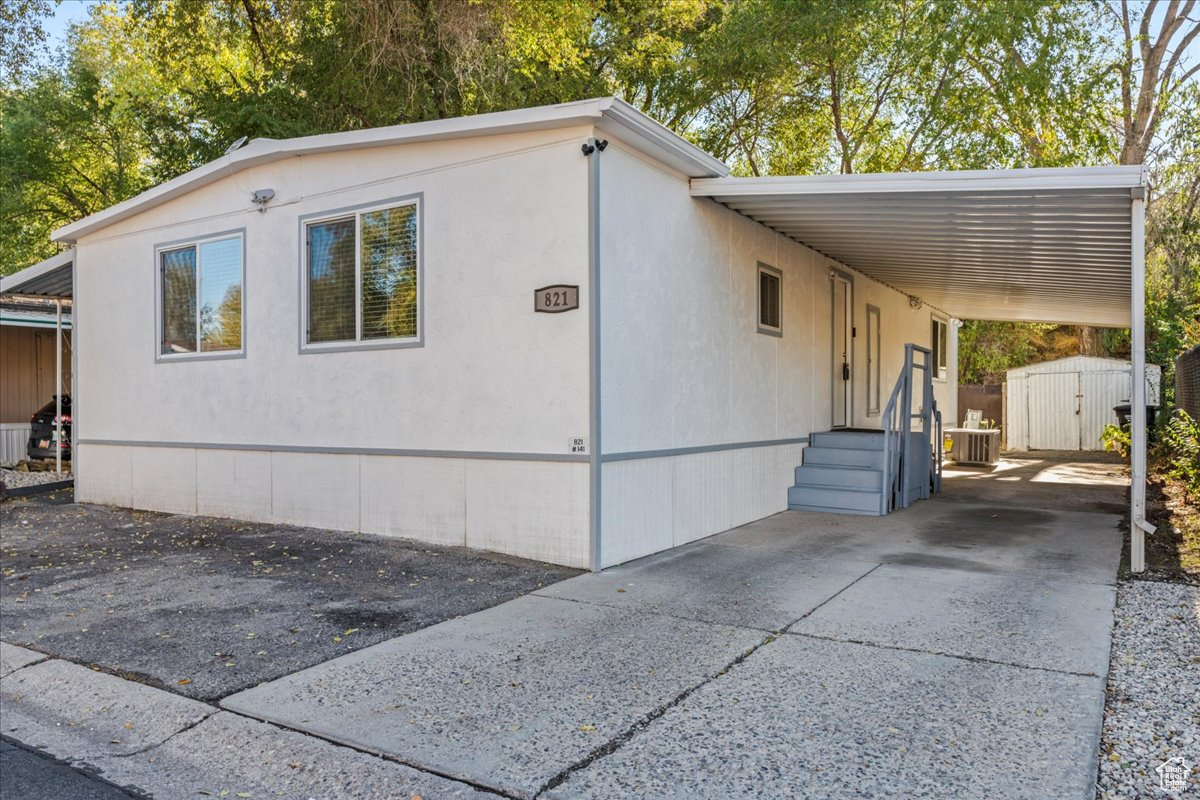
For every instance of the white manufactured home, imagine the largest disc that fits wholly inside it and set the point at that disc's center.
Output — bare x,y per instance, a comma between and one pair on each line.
562,333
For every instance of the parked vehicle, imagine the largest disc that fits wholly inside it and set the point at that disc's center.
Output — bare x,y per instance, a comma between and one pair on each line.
42,435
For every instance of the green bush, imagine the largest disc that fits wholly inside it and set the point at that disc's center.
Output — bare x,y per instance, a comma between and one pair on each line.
1179,449
1116,439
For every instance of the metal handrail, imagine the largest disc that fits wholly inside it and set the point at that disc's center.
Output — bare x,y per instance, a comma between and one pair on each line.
897,461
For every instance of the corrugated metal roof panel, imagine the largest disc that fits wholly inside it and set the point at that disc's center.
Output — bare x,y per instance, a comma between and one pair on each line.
1041,244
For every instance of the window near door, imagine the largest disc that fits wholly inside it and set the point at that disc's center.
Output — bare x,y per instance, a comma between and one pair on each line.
362,278
938,345
770,300
200,298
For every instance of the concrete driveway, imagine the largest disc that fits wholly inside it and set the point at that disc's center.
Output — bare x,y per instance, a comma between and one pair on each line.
955,649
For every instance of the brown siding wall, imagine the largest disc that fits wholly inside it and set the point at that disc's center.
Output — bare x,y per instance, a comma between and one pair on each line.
27,371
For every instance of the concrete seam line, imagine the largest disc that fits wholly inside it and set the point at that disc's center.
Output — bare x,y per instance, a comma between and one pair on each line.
615,743
377,754
44,658
212,711
944,654
788,628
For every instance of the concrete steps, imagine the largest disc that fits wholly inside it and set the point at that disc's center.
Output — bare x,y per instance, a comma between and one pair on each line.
842,472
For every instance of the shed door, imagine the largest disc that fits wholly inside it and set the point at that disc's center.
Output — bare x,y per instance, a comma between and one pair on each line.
1055,407
1101,391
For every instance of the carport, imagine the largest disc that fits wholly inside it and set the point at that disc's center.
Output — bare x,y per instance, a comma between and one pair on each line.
52,279
1063,246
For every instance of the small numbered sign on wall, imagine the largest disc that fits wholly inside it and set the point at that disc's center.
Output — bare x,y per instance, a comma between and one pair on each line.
556,299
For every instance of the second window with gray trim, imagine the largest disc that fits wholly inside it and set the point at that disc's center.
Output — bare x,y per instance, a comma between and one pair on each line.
770,300
200,293
361,276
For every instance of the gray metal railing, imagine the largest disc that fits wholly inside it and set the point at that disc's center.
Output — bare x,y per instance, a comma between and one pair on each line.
910,465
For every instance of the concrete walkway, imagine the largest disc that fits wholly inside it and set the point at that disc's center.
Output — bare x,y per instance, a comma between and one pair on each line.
955,649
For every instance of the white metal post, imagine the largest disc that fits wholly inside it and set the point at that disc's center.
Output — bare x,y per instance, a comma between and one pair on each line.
58,385
1137,429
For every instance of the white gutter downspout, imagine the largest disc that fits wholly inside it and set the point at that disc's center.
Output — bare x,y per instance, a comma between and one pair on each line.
1137,328
58,385
592,150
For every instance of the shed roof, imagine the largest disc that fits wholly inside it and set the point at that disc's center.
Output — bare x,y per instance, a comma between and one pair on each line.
607,114
51,278
30,318
1052,245
1076,364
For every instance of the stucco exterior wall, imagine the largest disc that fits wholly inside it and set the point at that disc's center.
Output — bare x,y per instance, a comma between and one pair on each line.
684,367
343,439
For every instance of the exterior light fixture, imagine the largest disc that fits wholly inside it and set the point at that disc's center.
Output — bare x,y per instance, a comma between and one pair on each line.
261,197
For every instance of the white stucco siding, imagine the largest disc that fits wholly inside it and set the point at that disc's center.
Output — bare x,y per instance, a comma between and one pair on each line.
684,366
290,437
900,324
501,216
682,362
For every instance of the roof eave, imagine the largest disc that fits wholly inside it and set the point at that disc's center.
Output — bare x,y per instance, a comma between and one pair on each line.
605,113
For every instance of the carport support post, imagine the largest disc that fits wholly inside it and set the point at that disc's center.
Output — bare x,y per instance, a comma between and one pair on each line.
1137,329
58,385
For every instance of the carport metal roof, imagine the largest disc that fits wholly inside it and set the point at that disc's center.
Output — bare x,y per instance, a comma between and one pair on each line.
51,278
1049,245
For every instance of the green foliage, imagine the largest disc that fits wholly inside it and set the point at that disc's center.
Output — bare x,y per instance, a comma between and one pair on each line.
1116,439
1179,448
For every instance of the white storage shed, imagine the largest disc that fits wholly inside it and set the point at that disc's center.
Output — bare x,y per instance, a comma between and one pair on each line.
1064,404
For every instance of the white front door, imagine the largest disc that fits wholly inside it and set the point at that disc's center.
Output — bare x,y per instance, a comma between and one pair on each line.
843,350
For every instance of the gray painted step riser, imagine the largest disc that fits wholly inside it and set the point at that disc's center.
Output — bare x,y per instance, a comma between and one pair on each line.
839,477
848,441
829,498
828,456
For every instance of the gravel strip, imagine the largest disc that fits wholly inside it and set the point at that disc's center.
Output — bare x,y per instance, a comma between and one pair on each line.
1152,712
17,480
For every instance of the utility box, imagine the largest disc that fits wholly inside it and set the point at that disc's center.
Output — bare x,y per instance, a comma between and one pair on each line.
979,447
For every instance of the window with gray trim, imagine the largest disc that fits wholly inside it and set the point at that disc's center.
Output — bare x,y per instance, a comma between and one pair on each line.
770,300
362,278
200,297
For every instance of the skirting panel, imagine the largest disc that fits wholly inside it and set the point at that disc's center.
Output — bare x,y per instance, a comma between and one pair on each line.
530,509
653,504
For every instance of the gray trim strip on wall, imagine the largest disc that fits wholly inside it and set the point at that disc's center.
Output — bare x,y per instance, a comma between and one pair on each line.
356,451
706,448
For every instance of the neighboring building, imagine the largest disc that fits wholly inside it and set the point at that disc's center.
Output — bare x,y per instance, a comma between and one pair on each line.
1064,404
342,330
27,358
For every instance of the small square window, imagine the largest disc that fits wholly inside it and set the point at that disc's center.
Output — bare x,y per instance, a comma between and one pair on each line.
770,303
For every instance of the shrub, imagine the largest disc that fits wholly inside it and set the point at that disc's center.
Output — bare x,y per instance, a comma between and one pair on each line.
1116,439
1179,449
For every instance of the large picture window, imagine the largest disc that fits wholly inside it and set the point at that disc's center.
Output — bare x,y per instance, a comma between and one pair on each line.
361,278
200,297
